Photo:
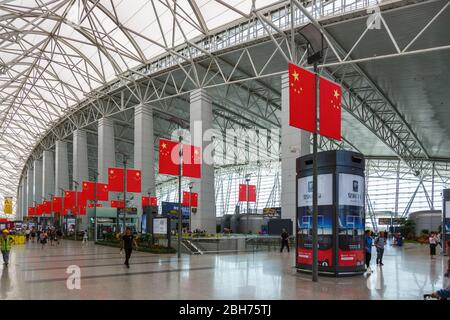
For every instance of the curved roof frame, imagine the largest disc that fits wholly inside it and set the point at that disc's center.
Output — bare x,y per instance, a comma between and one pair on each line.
39,86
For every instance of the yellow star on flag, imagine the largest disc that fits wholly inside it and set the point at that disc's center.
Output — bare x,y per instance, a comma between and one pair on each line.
295,75
336,94
163,146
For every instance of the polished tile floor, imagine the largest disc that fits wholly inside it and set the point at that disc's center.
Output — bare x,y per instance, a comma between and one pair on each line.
36,273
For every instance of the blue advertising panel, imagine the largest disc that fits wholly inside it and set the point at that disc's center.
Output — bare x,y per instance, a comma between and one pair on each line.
324,234
170,209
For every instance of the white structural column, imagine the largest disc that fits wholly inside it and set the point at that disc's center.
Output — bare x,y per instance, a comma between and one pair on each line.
61,167
144,152
294,143
200,121
24,198
30,184
48,171
106,149
80,165
37,189
18,215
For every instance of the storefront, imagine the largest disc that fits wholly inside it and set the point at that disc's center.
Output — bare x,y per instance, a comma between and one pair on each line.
110,220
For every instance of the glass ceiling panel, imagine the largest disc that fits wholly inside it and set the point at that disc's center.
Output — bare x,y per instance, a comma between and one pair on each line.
56,52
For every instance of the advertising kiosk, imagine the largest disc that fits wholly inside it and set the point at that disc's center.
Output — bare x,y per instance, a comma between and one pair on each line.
341,215
445,235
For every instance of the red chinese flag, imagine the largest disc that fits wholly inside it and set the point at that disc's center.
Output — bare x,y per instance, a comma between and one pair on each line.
185,201
39,210
117,204
115,179
69,200
191,161
194,199
81,198
102,192
88,188
251,193
330,109
31,211
57,204
47,207
82,209
168,157
242,192
145,201
153,201
302,95
134,180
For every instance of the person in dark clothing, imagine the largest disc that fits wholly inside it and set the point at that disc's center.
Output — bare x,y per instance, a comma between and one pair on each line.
368,246
127,243
380,242
284,240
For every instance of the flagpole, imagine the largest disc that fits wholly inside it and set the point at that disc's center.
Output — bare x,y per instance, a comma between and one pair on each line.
247,180
61,218
76,206
315,187
190,206
95,205
180,218
124,190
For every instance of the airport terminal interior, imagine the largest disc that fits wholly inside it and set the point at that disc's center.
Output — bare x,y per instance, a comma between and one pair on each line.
225,149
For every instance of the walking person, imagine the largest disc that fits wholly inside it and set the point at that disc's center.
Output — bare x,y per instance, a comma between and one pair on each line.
43,236
38,235
127,243
439,242
380,242
27,234
33,234
432,240
51,236
368,240
85,238
5,245
284,240
58,237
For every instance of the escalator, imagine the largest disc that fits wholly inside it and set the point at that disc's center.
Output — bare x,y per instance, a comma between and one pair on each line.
191,248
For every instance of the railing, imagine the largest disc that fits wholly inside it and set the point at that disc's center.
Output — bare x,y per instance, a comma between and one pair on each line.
232,244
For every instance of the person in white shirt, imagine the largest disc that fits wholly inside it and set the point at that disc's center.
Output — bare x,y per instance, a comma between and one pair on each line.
85,238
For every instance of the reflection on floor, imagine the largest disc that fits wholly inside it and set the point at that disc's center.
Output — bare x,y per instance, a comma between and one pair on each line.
36,273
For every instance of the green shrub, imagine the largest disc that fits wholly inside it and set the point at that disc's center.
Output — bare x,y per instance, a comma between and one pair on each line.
407,229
